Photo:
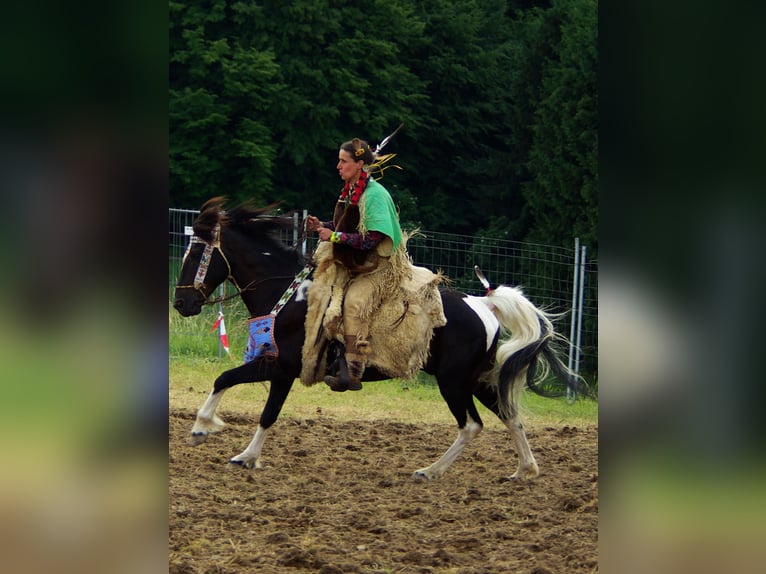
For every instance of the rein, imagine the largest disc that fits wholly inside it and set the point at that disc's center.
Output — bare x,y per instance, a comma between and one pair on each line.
249,287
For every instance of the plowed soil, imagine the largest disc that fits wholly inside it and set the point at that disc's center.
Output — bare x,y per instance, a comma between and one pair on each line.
339,497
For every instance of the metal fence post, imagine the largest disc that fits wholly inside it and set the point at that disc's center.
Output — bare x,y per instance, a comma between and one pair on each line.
579,308
575,298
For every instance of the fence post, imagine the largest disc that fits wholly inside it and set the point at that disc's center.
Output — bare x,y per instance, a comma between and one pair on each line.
579,308
575,287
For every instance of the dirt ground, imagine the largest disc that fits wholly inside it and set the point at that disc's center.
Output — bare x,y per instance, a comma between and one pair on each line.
339,497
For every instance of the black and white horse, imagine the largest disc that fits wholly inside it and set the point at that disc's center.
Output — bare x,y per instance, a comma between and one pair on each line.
491,347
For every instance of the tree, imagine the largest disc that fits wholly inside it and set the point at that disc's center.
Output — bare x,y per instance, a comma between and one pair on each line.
220,92
563,185
458,148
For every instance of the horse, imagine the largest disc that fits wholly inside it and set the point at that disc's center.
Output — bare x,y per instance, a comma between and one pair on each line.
467,356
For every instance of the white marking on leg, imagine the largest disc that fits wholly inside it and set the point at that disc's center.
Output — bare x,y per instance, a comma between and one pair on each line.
527,465
207,421
491,324
250,457
464,436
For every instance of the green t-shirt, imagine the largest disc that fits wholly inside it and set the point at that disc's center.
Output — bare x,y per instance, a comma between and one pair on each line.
377,212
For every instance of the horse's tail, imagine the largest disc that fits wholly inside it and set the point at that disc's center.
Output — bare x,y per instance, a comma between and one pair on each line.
530,353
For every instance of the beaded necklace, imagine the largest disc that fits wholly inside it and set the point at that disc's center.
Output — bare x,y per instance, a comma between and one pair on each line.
359,188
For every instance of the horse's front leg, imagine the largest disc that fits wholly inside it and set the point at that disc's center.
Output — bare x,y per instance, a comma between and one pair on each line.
278,391
207,421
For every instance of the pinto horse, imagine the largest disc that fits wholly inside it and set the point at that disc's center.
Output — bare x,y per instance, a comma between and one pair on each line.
490,347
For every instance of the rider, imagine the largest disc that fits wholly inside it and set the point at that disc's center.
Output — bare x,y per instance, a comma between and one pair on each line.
365,233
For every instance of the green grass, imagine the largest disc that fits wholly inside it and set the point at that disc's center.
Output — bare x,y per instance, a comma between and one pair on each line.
416,401
191,336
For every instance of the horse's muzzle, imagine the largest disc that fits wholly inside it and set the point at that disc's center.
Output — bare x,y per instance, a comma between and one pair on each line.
187,309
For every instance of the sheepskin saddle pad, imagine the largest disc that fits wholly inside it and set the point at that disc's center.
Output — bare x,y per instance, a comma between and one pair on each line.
399,324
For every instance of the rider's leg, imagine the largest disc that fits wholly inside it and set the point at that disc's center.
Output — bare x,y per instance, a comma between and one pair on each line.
356,302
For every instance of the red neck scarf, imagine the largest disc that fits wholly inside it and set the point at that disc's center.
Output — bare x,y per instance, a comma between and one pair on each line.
358,190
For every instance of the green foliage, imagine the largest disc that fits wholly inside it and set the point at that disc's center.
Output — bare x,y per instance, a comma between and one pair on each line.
562,191
498,99
220,90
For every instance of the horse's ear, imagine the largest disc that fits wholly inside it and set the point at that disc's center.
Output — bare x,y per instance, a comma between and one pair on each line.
210,215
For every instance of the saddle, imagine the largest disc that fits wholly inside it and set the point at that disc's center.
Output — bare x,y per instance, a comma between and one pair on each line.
401,325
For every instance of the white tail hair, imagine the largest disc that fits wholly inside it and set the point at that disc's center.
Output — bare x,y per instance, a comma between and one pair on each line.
529,329
519,318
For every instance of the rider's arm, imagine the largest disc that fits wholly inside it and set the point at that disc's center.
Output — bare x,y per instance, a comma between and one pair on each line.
358,241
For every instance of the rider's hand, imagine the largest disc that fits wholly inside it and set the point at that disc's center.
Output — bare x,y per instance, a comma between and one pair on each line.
324,233
313,223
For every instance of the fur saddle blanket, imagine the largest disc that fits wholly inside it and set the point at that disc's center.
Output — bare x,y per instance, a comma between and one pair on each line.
401,324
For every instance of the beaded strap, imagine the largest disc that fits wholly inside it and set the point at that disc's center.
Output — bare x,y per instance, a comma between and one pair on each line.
299,278
204,261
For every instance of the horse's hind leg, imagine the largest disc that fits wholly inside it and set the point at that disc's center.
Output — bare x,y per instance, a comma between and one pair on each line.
464,436
527,467
469,426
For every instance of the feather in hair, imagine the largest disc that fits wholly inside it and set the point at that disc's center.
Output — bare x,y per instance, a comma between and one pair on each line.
379,165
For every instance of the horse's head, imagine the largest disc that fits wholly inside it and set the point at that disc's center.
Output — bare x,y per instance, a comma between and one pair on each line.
204,266
240,244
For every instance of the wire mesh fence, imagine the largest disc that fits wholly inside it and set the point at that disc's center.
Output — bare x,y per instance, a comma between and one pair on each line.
548,275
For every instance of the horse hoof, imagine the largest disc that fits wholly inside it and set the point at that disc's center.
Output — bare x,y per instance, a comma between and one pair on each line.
248,464
420,475
197,438
525,473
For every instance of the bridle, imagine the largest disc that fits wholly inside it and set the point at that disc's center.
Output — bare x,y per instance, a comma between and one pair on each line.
204,262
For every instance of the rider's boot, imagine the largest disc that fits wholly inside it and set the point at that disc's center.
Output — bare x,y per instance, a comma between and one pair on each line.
337,382
351,368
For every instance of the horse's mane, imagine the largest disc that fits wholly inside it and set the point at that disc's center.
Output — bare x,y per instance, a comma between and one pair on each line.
255,222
